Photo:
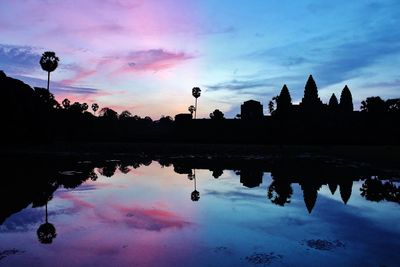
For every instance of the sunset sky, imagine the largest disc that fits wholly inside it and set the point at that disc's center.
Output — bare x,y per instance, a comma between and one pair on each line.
146,55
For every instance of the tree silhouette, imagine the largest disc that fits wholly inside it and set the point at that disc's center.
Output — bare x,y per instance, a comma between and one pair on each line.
125,114
191,109
280,192
84,106
77,107
271,105
66,103
346,100
49,62
46,232
196,94
46,98
374,104
108,113
95,107
393,105
217,115
284,101
333,103
148,119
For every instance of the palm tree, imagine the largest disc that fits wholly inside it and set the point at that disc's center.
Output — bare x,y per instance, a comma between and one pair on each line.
66,103
49,62
95,107
196,94
191,109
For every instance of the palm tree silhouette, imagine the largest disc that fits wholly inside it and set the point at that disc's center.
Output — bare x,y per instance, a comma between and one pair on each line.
46,232
49,62
95,107
191,109
196,94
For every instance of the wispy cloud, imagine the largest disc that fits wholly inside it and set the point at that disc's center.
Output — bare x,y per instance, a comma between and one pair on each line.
391,84
152,60
240,85
59,87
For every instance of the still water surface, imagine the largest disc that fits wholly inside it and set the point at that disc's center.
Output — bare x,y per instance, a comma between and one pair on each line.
153,214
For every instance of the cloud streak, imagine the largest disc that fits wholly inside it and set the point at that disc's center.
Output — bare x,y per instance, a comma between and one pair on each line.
59,87
152,60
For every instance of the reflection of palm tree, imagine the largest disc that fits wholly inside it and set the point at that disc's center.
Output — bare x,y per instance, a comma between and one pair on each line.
195,195
49,62
46,232
196,94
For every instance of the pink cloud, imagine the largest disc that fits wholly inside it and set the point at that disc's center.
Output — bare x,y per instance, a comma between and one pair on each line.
79,76
77,203
148,219
152,60
152,219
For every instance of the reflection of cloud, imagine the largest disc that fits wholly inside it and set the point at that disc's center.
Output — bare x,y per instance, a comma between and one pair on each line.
23,221
77,203
235,195
82,187
150,219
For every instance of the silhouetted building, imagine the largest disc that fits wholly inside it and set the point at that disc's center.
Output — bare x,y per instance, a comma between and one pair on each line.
183,117
284,102
311,101
346,100
251,110
333,103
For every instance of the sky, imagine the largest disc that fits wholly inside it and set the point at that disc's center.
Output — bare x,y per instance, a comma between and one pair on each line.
145,56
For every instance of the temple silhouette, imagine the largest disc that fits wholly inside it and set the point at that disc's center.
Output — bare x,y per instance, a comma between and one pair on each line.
32,115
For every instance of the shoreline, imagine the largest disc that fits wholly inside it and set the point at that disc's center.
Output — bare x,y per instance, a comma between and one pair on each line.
383,154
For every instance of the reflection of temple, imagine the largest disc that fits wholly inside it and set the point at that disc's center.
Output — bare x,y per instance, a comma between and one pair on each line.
251,178
310,193
310,173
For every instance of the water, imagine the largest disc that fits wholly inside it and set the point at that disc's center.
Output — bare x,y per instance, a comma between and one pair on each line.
143,213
